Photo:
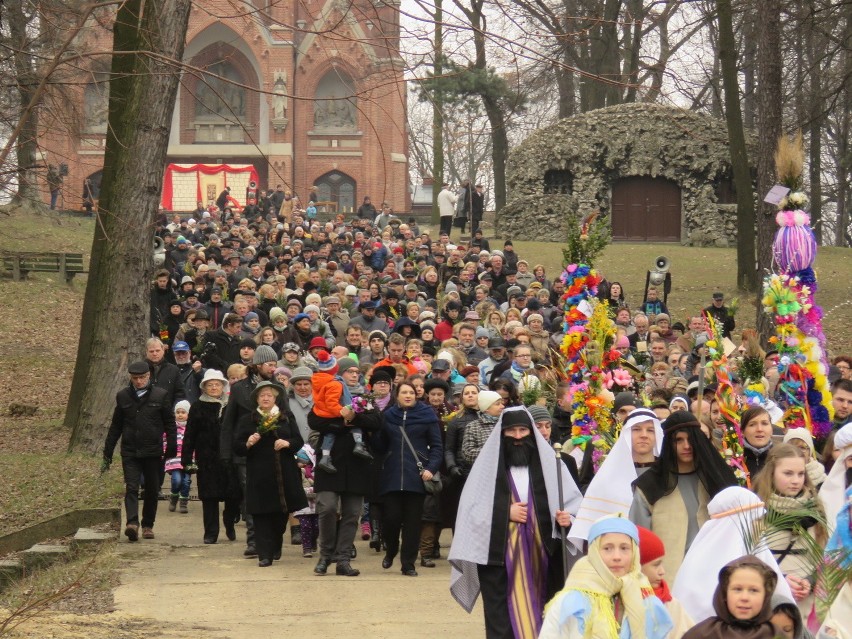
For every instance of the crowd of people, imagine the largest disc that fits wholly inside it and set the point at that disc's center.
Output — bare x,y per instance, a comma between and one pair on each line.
363,378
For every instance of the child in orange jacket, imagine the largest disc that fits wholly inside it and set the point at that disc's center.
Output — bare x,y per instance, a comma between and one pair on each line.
332,400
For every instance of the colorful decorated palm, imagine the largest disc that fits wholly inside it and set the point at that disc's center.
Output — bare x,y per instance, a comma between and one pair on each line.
803,389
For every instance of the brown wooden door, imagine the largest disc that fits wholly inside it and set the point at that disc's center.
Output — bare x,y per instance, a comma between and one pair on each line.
645,209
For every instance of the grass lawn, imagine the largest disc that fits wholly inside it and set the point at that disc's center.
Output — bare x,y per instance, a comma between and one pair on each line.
40,321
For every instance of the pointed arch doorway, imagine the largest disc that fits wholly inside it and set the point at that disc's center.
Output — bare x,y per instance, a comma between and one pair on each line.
339,188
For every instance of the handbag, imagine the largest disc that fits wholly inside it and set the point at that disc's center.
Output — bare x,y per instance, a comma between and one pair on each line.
432,486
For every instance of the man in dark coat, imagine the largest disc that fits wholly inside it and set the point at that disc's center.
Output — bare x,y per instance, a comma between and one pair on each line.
164,374
346,488
222,200
222,346
477,207
141,417
240,404
161,297
721,314
190,373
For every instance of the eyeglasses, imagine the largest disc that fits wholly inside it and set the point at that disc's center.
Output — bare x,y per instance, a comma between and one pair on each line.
523,355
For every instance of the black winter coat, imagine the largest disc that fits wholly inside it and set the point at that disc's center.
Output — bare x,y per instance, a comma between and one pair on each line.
225,353
240,404
273,479
754,461
167,376
202,438
140,422
354,474
399,471
190,380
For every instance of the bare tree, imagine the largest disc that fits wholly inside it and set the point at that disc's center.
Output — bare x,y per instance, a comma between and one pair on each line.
769,100
149,37
747,278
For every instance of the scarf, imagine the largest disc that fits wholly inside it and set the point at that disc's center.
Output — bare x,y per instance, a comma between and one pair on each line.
485,418
662,591
757,451
222,401
591,577
346,397
800,505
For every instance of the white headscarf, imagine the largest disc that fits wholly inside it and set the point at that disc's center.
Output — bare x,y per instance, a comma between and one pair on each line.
833,491
476,509
734,513
611,490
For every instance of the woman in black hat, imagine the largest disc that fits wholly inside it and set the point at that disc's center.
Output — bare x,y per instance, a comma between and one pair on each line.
269,440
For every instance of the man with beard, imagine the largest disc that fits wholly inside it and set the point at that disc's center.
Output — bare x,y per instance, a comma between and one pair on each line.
506,543
190,373
240,403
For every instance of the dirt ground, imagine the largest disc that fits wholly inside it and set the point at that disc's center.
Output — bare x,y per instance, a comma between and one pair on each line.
177,587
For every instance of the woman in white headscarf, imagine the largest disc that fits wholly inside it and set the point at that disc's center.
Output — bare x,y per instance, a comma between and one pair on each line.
734,526
611,490
833,491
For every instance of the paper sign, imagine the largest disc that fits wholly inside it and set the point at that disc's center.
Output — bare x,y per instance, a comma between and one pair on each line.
585,308
776,194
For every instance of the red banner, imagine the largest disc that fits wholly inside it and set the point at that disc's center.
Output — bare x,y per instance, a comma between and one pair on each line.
206,169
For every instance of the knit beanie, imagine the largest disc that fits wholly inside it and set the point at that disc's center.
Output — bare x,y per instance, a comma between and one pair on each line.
327,363
539,413
312,307
182,404
650,546
345,363
486,400
534,316
251,315
481,331
282,370
276,313
263,354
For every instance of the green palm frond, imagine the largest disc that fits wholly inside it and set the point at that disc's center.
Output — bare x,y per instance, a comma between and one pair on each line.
828,570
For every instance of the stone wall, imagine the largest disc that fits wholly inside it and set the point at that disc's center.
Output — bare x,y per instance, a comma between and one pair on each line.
602,146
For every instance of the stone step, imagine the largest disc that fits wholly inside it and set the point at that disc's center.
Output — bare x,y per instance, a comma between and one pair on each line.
43,555
89,537
10,571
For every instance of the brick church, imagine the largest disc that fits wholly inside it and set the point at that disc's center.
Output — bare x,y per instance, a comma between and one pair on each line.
300,94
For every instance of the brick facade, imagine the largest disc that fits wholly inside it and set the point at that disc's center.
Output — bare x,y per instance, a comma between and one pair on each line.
352,141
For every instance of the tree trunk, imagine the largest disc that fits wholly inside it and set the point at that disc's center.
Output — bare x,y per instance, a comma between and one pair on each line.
493,109
26,82
565,86
844,152
438,114
747,278
815,51
116,307
636,15
769,101
749,56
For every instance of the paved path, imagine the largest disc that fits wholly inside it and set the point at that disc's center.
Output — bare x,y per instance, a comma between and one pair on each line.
177,579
